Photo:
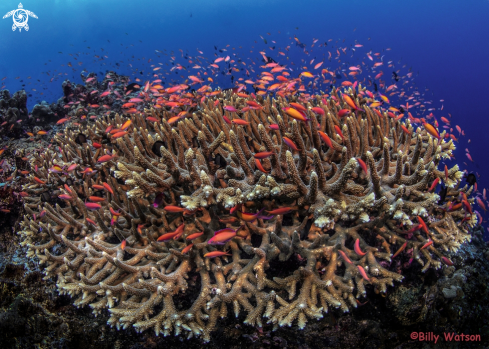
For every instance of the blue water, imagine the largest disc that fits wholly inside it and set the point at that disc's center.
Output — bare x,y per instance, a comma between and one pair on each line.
443,42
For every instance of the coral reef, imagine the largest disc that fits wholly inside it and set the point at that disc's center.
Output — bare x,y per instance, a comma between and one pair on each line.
168,222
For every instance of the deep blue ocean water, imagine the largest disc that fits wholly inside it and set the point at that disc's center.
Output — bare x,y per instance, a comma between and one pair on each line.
445,44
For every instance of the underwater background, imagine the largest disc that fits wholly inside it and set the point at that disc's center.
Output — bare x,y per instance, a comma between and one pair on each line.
440,49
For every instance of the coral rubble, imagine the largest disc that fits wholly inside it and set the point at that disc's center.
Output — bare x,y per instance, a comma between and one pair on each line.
171,223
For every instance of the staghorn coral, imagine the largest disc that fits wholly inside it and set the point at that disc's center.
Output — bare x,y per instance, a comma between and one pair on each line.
153,184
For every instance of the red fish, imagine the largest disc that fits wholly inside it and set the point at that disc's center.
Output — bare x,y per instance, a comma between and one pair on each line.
96,199
187,248
423,225
221,238
447,261
434,184
318,110
194,236
106,158
123,244
260,166
92,206
39,181
429,243
338,131
263,155
289,143
363,165
326,139
108,188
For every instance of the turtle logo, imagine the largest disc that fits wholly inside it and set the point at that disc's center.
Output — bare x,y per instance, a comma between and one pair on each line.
20,17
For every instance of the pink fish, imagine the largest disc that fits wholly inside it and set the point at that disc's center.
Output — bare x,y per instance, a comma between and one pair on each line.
231,109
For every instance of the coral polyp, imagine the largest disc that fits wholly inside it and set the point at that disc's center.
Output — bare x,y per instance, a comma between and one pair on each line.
122,209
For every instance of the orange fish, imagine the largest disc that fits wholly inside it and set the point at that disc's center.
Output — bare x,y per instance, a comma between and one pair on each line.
289,143
187,248
280,210
260,166
431,130
173,209
326,139
240,122
363,165
194,236
403,247
294,113
216,254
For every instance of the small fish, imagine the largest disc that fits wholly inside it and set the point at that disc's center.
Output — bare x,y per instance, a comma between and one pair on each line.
126,124
296,114
429,243
39,181
123,244
231,109
326,139
65,197
221,238
194,236
108,188
318,110
92,206
187,248
106,158
434,184
345,257
431,130
263,155
216,254
119,134
363,165
91,221
423,225
446,261
281,210
289,143
402,248
173,209
350,101
240,122
96,199
357,249
338,131
167,236
260,166
362,272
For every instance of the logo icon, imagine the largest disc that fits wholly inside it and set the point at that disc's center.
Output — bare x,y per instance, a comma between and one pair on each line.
20,17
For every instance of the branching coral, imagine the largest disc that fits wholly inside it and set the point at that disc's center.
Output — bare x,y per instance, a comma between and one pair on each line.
132,201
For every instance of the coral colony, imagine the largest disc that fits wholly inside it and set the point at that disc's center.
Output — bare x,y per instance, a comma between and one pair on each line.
213,202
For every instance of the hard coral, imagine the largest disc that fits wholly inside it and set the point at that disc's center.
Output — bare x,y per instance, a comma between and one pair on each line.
152,185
